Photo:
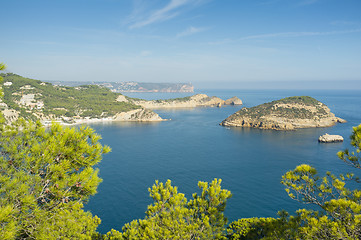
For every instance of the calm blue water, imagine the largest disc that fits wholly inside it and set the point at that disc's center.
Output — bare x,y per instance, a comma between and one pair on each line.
192,147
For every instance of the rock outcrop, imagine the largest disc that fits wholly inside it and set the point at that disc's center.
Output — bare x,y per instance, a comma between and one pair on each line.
10,115
121,98
198,100
284,114
233,101
327,138
139,115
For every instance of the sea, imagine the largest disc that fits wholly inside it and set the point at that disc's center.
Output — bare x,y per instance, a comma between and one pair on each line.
193,147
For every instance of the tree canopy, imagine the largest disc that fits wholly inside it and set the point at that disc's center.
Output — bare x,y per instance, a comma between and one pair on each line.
45,176
172,216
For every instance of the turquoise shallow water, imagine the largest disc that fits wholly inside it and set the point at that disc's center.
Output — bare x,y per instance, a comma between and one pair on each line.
193,147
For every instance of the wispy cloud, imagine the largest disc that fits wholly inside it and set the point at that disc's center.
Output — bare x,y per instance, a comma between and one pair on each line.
145,53
283,35
190,31
221,42
345,23
40,42
299,34
169,11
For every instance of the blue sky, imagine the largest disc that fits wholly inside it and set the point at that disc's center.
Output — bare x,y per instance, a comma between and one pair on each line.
207,42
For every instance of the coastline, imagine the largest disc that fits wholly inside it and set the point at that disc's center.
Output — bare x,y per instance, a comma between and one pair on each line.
95,120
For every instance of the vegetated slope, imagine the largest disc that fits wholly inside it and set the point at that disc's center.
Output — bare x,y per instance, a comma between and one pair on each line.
284,114
34,99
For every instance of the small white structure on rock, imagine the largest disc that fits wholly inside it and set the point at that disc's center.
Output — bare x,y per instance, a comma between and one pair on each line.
327,138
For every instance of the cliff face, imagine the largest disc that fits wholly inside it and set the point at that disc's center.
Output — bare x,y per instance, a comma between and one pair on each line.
285,114
139,115
198,100
233,101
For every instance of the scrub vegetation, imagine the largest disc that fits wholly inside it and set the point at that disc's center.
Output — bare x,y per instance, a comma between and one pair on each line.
287,108
47,174
83,101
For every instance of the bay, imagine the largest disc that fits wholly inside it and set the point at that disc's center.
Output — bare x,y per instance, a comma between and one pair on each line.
193,147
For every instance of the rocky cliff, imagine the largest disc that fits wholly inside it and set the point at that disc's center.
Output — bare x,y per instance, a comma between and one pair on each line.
284,114
139,115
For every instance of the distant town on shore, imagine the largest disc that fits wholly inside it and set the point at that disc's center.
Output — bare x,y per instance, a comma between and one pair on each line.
132,86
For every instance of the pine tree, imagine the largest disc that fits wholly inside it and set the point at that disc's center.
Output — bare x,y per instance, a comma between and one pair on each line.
172,216
46,174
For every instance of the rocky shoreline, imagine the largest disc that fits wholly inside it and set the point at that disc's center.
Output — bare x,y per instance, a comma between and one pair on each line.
145,114
137,115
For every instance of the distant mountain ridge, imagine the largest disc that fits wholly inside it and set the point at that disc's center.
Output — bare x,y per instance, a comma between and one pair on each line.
133,86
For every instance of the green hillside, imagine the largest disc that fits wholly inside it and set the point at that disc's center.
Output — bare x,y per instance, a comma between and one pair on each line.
34,98
291,111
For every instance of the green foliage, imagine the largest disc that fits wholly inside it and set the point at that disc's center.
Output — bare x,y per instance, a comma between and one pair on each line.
284,227
251,228
85,101
353,158
183,99
340,217
45,177
2,66
307,100
286,112
171,216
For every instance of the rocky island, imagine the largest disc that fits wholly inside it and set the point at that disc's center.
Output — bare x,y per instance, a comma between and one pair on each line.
327,138
285,114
